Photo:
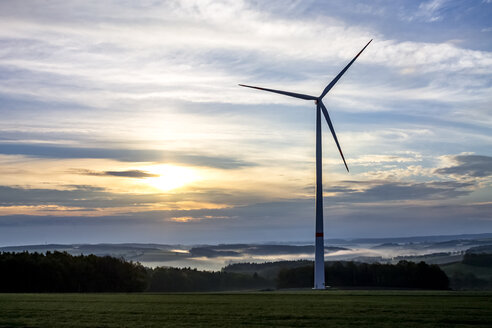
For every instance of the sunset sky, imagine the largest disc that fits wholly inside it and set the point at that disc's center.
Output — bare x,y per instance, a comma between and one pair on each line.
123,121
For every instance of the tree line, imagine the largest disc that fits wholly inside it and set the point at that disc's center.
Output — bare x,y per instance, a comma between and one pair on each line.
468,280
353,274
193,280
62,272
478,259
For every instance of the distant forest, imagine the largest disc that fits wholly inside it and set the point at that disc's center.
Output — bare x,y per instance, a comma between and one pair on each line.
192,280
62,272
481,259
477,273
352,274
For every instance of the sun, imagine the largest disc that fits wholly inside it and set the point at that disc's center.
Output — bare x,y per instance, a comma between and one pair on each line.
170,176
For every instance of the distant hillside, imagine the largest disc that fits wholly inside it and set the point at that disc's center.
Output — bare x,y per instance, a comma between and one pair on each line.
432,258
430,249
417,239
480,249
194,256
473,272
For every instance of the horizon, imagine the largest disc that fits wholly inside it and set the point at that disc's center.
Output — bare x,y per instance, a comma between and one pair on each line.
280,243
124,123
431,249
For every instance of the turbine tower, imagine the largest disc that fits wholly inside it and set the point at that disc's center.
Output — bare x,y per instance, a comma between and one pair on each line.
319,254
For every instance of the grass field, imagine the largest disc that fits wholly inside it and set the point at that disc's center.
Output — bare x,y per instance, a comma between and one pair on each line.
260,309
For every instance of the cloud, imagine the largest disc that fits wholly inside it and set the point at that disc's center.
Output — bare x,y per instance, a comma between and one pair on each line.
279,221
394,173
389,184
86,197
159,81
131,174
185,219
104,201
477,166
399,157
190,30
127,174
96,201
389,191
430,10
102,69
124,155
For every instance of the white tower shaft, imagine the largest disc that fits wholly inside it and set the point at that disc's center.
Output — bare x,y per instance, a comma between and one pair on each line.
319,254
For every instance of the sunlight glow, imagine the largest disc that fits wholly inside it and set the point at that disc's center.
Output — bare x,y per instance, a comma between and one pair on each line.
170,176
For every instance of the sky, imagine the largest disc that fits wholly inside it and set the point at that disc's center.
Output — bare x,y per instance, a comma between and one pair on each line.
123,121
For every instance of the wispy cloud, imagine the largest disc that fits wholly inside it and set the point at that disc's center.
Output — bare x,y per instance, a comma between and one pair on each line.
184,61
468,165
126,174
94,91
125,155
430,10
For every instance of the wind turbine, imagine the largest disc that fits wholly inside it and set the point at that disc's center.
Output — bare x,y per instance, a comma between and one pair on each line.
319,257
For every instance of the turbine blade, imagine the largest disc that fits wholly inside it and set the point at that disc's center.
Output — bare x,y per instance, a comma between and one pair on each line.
291,94
327,116
335,80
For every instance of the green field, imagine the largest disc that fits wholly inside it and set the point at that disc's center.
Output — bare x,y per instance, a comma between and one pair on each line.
259,309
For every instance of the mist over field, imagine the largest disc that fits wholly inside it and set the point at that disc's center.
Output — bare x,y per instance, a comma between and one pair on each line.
431,249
